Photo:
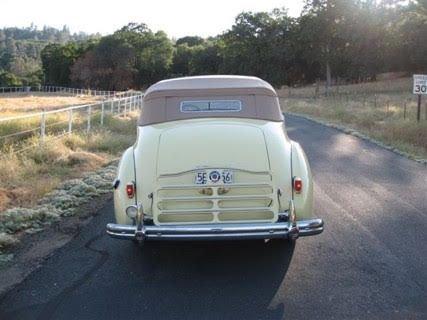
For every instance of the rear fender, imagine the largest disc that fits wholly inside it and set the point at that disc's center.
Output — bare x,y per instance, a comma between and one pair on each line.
125,175
300,168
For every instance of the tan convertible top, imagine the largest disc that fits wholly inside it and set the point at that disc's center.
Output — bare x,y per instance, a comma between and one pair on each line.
162,101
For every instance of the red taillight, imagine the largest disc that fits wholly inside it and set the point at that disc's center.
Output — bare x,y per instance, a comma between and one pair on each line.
130,190
297,185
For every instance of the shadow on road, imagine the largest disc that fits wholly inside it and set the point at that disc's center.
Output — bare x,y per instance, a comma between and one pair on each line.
198,280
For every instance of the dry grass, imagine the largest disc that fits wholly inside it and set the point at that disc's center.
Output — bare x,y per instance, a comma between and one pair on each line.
19,103
402,86
375,109
26,177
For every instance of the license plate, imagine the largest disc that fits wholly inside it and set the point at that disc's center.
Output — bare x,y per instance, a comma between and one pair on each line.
214,176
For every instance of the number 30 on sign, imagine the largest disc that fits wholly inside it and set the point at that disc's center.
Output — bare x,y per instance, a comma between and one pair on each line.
420,83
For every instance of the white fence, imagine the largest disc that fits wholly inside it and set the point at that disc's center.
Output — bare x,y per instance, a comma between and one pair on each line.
72,91
57,123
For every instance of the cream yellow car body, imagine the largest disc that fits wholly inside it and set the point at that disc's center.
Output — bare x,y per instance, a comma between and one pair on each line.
260,203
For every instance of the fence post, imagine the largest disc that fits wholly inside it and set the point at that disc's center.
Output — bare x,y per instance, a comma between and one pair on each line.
42,126
102,113
112,106
124,114
118,106
404,110
70,121
89,111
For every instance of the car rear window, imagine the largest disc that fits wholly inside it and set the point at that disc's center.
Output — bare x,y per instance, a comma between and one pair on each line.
211,106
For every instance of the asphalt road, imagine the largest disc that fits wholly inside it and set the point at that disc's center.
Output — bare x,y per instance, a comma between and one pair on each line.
370,262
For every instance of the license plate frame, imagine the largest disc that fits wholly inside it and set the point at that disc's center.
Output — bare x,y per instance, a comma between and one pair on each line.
214,176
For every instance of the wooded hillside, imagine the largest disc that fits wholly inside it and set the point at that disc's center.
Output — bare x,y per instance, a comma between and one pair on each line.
333,40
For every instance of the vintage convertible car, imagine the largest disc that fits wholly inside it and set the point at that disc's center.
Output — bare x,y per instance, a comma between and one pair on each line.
213,161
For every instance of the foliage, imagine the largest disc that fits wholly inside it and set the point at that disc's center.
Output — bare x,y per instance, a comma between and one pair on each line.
21,48
203,58
153,52
340,41
132,57
108,65
190,41
259,44
57,61
8,79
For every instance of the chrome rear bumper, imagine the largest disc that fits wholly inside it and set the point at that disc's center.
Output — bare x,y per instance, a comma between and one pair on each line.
231,231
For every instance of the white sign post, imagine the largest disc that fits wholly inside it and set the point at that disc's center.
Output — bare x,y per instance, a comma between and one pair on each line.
420,88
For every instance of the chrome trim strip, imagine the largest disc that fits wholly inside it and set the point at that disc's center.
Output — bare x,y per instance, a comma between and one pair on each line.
221,197
198,186
220,210
227,231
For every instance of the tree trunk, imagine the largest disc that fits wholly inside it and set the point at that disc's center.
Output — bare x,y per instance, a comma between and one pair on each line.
328,77
328,71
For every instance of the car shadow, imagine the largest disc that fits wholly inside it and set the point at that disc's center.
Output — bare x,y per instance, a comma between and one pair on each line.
226,280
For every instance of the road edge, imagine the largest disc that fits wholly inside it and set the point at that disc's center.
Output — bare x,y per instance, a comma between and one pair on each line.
33,248
358,134
39,247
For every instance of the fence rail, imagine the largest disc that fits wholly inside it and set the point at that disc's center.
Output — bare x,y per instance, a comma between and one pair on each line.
16,130
72,91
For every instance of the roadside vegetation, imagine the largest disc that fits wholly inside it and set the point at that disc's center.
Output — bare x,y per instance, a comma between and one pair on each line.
25,177
12,104
51,179
383,110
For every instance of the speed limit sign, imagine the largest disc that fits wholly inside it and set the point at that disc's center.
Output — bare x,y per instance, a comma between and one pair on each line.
420,83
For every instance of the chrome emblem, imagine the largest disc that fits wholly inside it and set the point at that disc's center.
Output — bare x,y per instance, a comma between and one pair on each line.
214,176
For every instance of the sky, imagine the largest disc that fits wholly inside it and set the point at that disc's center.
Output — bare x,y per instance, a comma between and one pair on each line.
177,18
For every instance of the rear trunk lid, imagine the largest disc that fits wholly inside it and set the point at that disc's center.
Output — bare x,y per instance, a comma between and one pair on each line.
191,147
188,149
